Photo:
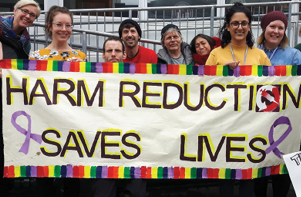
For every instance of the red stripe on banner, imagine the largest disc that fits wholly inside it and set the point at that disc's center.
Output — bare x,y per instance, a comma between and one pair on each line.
248,174
5,171
173,69
280,70
46,171
107,67
141,68
182,173
246,70
283,70
81,171
149,173
74,66
75,171
6,63
210,70
110,172
275,170
143,172
11,171
213,70
212,173
176,172
40,171
42,65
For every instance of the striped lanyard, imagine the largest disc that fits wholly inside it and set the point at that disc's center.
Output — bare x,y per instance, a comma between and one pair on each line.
245,54
273,53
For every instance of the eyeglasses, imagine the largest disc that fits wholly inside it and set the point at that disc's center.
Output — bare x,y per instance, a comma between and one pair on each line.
60,26
32,15
243,24
172,37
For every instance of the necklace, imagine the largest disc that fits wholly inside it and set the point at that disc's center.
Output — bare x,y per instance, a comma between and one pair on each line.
245,54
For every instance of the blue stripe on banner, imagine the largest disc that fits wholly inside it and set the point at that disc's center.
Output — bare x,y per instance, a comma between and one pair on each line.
63,171
25,64
132,172
263,172
299,70
60,65
28,171
233,171
98,171
195,70
199,172
265,71
126,67
159,69
230,72
93,67
165,173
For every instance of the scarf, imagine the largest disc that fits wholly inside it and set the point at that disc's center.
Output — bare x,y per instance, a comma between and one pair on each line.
6,30
199,60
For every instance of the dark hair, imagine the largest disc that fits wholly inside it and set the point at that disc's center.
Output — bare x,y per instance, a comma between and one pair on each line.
112,38
211,42
225,35
128,23
52,12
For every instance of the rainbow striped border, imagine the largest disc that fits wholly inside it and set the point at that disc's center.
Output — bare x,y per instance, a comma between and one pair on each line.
144,172
106,67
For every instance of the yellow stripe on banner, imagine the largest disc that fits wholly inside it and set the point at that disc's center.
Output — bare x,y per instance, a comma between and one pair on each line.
82,67
219,70
281,168
289,70
17,171
121,172
254,70
51,171
222,173
50,65
254,173
87,172
154,172
14,64
115,67
149,69
187,173
182,69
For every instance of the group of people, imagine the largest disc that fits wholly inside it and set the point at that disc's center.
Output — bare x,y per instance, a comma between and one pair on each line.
235,46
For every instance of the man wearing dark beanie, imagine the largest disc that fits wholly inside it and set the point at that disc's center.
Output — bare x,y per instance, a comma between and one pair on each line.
130,33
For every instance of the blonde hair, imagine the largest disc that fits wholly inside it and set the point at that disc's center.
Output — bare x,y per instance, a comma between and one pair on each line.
22,3
261,39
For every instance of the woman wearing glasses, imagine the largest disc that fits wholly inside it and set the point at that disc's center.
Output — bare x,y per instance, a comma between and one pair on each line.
237,41
58,26
13,33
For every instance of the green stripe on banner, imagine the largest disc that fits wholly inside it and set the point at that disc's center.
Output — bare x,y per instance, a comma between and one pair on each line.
284,169
228,173
225,71
88,67
20,64
23,171
154,69
259,72
189,70
160,172
55,66
259,173
121,68
57,171
127,173
93,172
294,70
193,173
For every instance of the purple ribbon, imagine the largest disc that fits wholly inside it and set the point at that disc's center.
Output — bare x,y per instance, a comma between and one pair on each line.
273,147
27,133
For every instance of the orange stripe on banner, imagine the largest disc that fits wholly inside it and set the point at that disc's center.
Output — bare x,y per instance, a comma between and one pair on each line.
173,69
107,67
74,66
176,173
280,70
212,173
115,172
283,70
6,63
182,173
42,65
46,171
11,171
81,171
149,173
275,170
246,70
5,171
213,70
143,172
141,68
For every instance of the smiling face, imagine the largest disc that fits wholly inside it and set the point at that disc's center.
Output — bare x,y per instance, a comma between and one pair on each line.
113,51
130,37
239,32
60,27
23,20
202,46
274,33
172,41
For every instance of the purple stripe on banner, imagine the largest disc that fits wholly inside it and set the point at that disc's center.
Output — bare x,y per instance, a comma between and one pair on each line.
201,70
271,70
66,66
238,174
163,69
69,171
99,67
170,173
104,172
268,171
132,68
204,173
32,65
34,171
137,173
236,71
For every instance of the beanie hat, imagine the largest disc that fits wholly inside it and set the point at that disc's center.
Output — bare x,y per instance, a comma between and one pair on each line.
167,27
273,16
131,22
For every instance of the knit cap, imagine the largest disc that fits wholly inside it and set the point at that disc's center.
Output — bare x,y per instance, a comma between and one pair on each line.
167,27
273,16
131,22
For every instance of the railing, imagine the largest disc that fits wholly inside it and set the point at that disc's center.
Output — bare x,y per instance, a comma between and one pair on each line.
93,26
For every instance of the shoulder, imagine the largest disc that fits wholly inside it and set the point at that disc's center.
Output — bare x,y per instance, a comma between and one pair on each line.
41,54
141,48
